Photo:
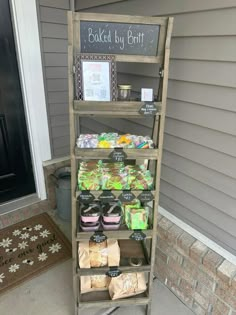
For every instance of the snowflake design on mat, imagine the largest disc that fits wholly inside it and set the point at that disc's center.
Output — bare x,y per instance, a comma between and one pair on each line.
10,250
45,233
16,233
14,268
23,245
6,242
27,228
42,256
38,227
2,276
33,238
24,236
28,262
55,248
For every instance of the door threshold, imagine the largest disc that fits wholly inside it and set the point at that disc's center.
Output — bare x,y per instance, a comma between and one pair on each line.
18,203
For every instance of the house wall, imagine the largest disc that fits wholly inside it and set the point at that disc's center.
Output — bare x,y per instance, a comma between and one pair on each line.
52,15
198,182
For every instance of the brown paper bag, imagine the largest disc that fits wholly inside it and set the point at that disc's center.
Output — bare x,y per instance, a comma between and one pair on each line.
127,284
93,254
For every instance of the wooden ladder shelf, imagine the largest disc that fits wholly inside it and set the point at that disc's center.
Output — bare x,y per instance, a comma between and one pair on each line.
115,109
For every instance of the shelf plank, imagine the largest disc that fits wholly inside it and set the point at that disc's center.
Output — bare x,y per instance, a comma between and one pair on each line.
114,109
117,234
102,299
96,153
97,193
103,270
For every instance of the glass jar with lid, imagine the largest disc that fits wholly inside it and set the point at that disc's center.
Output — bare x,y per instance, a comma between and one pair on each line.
124,92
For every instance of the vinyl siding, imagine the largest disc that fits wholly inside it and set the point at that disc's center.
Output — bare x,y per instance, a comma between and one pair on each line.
53,30
198,181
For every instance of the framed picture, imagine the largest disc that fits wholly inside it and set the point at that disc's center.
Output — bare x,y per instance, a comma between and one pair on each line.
95,77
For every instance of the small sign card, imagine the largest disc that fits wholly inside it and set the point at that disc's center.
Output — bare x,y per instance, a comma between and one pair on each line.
137,236
148,109
113,272
146,196
98,237
118,155
107,196
86,197
126,196
146,95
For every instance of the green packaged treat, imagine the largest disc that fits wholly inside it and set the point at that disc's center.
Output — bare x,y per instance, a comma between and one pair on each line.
137,219
134,204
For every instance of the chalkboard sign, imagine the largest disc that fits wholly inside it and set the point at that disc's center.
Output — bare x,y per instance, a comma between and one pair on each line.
126,196
107,197
113,272
137,236
86,197
148,109
119,38
146,196
118,155
98,237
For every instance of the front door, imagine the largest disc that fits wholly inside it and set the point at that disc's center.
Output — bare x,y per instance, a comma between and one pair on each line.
16,175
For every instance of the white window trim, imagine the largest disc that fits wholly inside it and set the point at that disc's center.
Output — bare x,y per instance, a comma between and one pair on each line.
25,25
199,236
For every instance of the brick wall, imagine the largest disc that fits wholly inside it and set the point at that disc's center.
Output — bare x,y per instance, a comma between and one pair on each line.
201,278
23,213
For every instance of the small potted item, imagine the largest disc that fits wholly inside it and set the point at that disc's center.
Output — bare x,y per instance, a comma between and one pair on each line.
90,213
112,213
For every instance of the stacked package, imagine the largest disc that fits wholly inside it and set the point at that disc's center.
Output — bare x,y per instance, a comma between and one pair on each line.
113,140
96,175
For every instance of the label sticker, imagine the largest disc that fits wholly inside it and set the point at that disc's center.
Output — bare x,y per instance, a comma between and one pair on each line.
126,196
98,237
113,272
118,155
137,236
86,197
149,108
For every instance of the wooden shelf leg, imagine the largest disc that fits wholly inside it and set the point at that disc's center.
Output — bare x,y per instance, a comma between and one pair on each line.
148,309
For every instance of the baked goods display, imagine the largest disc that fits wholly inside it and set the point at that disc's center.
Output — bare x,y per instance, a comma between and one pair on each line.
110,216
114,140
97,175
107,253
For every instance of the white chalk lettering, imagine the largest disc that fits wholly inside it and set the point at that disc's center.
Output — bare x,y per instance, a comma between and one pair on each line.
99,36
135,39
120,40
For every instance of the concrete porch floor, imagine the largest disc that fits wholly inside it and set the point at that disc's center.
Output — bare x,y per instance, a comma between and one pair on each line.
51,293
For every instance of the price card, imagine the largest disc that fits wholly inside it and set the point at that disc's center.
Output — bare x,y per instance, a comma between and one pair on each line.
118,155
107,197
126,196
98,237
146,196
86,197
113,272
137,236
148,109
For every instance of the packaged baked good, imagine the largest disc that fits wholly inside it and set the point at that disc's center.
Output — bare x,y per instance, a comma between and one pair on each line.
93,254
137,219
127,284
